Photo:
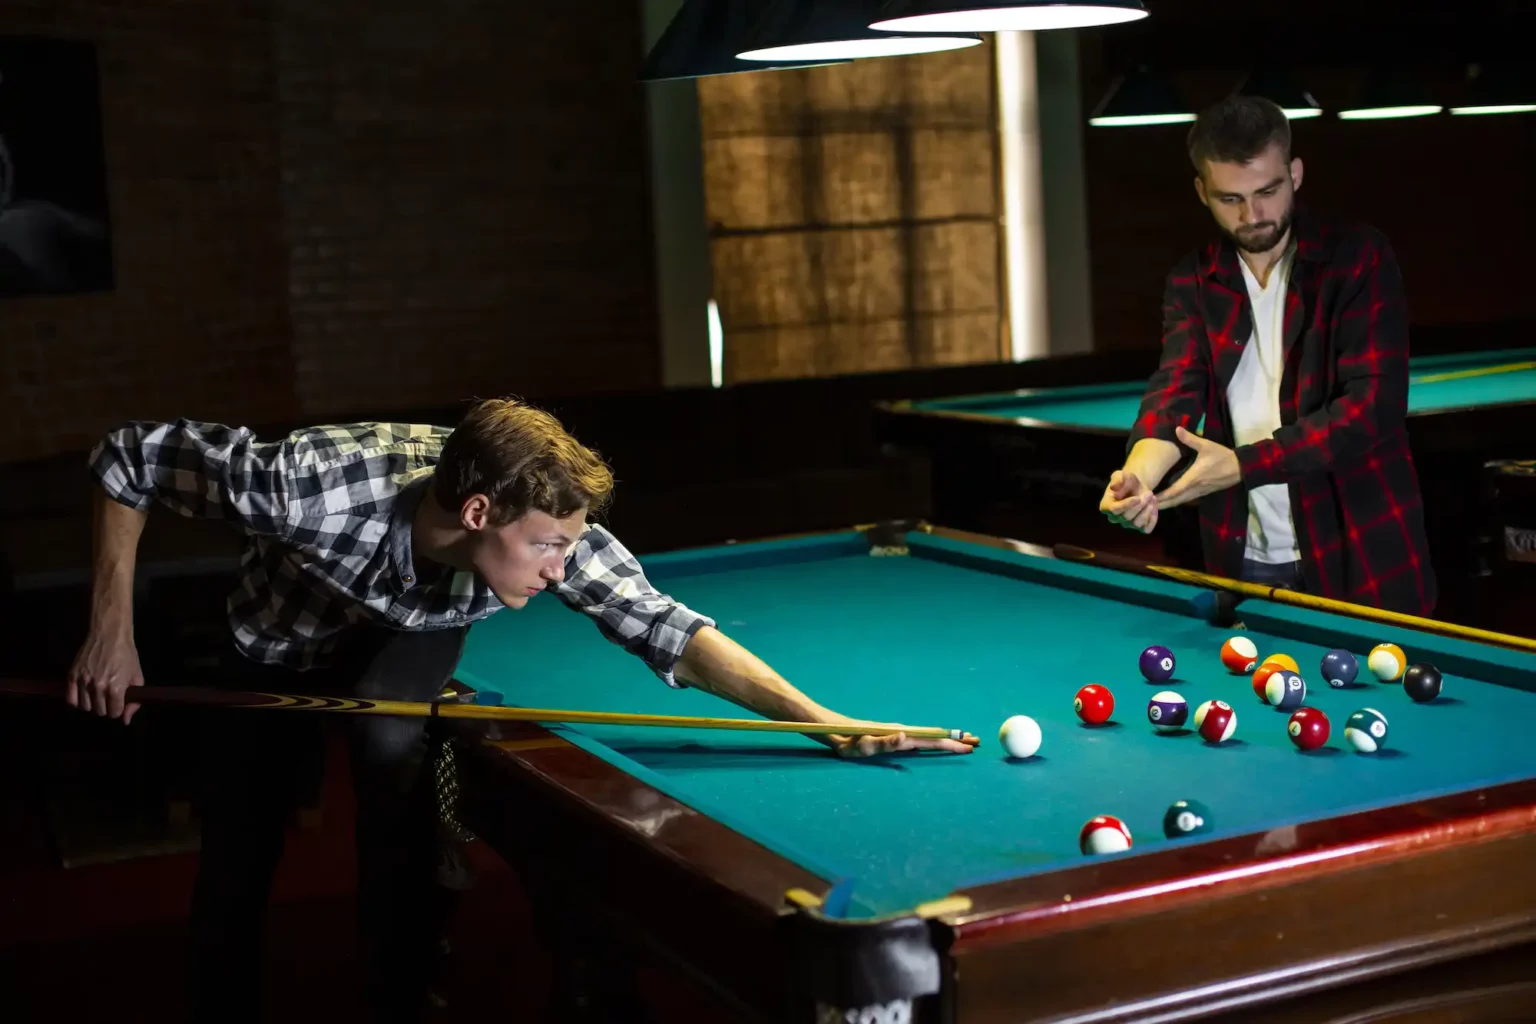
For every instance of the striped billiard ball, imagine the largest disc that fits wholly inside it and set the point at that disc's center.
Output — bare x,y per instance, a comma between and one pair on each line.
1186,818
1387,662
1366,730
1239,655
1167,710
1216,721
1104,834
1286,690
1261,677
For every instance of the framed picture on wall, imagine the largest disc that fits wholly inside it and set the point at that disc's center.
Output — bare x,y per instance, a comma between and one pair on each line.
55,231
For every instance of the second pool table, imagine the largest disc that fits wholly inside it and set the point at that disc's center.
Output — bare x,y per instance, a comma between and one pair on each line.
802,887
1013,462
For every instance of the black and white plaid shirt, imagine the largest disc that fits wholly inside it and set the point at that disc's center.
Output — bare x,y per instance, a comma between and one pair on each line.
327,515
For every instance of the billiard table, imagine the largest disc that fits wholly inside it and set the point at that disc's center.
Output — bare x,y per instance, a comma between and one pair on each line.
1012,462
800,886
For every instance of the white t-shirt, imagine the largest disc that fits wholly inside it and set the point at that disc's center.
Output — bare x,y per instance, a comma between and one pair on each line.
1253,398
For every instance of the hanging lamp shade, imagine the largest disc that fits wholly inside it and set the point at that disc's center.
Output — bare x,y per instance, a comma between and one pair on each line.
1281,88
1139,98
703,39
1391,93
1498,89
1002,15
836,30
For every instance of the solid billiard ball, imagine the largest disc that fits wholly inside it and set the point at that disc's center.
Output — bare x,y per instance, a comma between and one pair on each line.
1285,690
1186,818
1239,655
1167,710
1104,834
1261,679
1284,661
1020,736
1308,728
1422,682
1216,721
1157,664
1094,704
1386,662
1366,730
1340,668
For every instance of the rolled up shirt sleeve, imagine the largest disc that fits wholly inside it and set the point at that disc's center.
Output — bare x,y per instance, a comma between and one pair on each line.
200,470
604,581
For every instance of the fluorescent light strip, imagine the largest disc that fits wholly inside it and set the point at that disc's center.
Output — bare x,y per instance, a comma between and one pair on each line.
1122,121
716,346
1387,113
1497,108
1013,19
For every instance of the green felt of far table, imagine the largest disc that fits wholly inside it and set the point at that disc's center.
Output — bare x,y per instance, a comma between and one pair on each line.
963,635
1112,407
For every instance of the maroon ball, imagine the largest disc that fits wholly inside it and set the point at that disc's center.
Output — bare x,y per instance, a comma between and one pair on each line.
1308,728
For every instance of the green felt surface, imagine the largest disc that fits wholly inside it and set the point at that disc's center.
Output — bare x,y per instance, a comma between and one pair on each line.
1113,406
962,636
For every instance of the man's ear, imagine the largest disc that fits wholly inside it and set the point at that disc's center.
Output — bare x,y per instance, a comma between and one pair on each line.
1296,170
1200,191
475,513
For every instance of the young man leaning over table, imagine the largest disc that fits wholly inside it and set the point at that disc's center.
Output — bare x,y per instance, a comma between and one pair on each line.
370,549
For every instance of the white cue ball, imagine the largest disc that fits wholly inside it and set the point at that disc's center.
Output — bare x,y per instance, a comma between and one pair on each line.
1020,736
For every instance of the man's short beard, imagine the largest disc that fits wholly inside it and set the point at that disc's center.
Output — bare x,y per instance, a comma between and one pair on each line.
1269,239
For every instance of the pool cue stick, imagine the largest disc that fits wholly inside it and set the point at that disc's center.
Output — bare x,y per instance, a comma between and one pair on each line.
1280,595
1482,371
203,696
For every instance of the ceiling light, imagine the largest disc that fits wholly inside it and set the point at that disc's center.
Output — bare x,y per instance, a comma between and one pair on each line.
703,39
835,30
1002,15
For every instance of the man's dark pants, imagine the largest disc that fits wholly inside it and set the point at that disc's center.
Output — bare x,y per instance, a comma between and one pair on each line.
258,765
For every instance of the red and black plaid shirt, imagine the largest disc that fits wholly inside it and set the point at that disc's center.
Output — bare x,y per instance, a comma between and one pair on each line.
1342,447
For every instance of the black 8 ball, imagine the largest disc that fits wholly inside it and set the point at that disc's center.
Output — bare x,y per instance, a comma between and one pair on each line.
1422,682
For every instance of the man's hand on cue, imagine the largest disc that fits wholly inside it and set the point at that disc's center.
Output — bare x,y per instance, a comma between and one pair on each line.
1215,469
854,745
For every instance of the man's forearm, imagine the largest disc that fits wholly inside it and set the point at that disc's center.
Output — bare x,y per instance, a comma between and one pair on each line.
115,546
1150,460
716,664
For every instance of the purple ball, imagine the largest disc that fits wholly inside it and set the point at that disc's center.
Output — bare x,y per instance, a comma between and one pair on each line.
1157,663
1167,710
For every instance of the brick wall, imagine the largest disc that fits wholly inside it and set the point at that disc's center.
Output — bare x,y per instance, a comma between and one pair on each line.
196,323
323,210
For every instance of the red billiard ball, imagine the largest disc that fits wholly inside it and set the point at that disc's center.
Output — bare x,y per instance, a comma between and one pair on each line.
1216,721
1094,704
1308,728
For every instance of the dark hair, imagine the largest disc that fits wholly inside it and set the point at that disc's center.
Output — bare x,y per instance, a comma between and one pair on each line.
1237,129
522,459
